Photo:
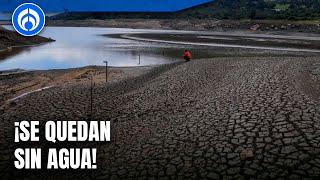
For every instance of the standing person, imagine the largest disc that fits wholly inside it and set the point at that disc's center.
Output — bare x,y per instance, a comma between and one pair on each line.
187,55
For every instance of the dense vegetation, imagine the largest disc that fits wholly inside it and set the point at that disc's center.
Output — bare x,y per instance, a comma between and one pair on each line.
259,9
225,9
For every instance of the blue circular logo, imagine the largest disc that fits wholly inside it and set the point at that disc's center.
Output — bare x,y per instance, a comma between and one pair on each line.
28,19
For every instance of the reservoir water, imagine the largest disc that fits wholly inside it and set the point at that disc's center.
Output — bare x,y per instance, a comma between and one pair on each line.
83,46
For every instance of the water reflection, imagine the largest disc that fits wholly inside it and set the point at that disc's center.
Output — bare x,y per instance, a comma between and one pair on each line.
82,46
11,53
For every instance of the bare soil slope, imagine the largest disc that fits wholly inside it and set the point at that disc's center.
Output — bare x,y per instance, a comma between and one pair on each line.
9,39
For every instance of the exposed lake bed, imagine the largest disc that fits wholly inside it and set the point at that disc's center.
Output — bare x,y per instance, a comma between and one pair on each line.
85,46
79,53
170,118
16,82
215,107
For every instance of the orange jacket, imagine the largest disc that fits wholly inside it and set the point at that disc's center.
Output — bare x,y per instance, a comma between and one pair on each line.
187,55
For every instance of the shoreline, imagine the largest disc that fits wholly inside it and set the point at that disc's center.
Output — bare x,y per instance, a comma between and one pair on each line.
12,39
231,41
17,82
256,26
253,40
71,76
10,48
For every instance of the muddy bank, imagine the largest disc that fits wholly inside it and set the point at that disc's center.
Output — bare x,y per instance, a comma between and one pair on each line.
255,41
17,82
10,39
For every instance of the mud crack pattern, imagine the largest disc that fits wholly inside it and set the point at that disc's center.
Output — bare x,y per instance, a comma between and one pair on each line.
192,120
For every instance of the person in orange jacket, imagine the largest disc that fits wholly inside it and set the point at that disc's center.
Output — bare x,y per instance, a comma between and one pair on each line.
187,56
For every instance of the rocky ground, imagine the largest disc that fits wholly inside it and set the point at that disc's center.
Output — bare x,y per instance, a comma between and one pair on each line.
213,118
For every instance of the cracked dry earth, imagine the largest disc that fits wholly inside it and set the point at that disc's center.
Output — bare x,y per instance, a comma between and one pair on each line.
192,120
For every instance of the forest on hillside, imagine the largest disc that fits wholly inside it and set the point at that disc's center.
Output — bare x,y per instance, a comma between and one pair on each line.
258,9
224,9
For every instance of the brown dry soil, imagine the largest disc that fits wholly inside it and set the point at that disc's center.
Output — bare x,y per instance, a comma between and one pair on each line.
14,83
9,39
243,39
196,120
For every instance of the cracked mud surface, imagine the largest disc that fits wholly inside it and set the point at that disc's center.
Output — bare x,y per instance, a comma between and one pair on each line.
192,120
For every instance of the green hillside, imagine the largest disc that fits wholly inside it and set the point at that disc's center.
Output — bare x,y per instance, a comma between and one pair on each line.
224,9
